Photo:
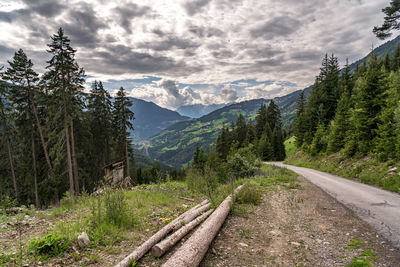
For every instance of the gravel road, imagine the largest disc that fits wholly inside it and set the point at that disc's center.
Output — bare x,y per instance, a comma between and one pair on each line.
377,207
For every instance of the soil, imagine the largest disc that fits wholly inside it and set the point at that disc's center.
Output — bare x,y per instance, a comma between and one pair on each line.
298,227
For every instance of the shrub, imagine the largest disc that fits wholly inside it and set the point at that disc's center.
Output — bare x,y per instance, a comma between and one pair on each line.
50,245
251,193
244,162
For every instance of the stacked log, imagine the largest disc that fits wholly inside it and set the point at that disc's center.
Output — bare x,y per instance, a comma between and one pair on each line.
193,250
162,247
172,226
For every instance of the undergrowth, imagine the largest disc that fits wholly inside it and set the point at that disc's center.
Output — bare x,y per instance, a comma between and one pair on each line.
367,170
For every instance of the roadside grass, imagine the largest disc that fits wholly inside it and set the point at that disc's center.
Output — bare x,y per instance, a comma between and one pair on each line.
108,219
365,257
290,146
367,170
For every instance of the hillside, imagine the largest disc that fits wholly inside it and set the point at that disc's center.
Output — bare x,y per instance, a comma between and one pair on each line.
176,144
151,119
198,110
380,52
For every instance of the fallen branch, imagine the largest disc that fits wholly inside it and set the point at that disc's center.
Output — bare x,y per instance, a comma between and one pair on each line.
188,199
193,250
175,224
162,247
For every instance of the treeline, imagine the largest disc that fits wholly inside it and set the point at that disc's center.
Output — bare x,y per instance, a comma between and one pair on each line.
57,138
238,151
356,113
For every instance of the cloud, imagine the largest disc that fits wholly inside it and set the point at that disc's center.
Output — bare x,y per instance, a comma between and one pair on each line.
228,94
128,12
276,27
193,7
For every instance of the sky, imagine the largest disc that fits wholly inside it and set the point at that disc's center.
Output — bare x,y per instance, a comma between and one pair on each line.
183,52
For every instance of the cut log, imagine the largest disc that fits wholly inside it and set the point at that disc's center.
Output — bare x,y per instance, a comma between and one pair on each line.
187,199
162,247
175,224
193,250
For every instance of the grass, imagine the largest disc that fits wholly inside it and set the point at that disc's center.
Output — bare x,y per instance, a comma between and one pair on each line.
107,219
290,146
365,258
367,170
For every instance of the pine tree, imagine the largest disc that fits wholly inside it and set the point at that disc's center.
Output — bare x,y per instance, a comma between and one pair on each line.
300,127
261,120
369,100
64,82
223,145
21,94
122,117
396,59
100,117
6,133
391,20
240,131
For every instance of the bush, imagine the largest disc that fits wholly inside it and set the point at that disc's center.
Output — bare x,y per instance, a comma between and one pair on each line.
244,162
50,245
251,193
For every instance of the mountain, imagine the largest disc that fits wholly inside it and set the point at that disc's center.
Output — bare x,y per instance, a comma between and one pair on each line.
198,110
151,119
176,144
380,52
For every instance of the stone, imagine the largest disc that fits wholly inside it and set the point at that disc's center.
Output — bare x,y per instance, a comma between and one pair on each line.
295,244
83,240
394,169
243,245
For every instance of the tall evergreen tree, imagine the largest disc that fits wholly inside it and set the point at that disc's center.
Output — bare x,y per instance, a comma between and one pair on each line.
223,143
240,131
122,117
300,127
392,15
64,82
369,100
261,120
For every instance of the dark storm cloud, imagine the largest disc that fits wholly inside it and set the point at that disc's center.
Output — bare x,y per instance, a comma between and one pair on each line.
169,43
48,8
201,32
128,12
266,51
83,25
193,7
276,27
121,59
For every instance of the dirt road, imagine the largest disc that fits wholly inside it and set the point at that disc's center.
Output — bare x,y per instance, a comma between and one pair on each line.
377,207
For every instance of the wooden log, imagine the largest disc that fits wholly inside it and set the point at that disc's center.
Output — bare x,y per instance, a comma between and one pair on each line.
187,199
175,224
162,247
193,250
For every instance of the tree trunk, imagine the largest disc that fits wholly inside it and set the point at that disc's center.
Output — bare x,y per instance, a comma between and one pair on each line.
175,224
70,175
162,247
127,158
10,154
74,161
193,250
39,127
34,171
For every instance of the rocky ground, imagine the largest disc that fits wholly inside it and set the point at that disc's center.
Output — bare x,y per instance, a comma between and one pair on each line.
299,227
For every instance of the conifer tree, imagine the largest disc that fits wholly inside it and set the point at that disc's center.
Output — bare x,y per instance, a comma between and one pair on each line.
6,133
300,127
22,96
64,82
122,117
240,131
369,100
391,22
261,120
100,113
223,143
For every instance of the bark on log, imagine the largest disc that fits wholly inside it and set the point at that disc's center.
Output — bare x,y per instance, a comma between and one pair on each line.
162,247
193,250
175,224
188,199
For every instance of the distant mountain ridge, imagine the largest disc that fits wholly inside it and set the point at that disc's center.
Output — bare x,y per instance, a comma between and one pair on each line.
176,144
198,110
150,119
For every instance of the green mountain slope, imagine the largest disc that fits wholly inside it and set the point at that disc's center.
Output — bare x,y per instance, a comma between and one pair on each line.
151,119
380,52
176,144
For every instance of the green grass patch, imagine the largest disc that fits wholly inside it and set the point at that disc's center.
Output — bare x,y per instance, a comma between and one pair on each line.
290,146
367,170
